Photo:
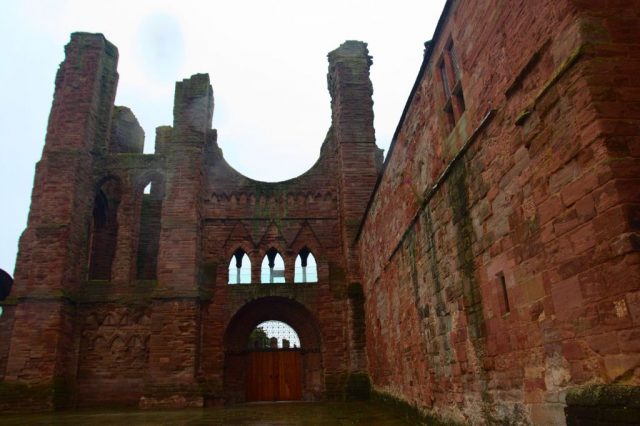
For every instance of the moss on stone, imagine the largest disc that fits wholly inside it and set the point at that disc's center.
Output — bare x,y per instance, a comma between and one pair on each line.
354,291
347,387
358,387
609,395
334,386
208,273
458,196
411,413
603,404
18,396
465,237
64,393
10,301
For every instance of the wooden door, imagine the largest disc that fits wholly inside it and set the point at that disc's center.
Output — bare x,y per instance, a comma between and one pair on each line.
274,376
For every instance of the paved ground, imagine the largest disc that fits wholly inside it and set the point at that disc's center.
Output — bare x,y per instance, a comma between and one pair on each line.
278,414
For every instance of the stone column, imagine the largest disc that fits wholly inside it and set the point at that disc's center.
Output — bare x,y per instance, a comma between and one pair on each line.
175,332
359,161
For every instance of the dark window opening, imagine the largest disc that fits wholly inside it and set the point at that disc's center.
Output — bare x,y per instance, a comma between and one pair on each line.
149,231
504,296
239,268
6,282
306,269
272,269
104,230
273,335
460,97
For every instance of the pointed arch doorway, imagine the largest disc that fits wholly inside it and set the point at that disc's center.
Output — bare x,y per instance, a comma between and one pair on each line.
272,352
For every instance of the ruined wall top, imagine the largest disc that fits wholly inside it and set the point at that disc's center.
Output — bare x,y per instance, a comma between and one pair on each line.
351,93
193,108
85,90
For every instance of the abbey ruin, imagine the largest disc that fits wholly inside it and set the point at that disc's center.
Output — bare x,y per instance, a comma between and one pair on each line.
487,271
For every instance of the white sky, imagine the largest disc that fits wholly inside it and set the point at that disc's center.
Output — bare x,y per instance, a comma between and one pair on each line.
266,59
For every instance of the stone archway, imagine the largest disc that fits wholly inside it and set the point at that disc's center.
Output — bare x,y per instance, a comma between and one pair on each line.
237,352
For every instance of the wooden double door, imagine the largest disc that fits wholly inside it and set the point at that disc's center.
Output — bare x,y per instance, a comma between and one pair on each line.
274,376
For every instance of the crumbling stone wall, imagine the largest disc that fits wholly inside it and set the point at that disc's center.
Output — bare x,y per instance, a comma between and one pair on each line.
122,296
494,271
307,211
501,249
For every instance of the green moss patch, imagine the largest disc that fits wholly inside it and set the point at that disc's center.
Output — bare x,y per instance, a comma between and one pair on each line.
608,395
411,413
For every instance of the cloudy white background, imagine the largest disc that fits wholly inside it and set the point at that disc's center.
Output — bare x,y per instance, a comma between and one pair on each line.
266,59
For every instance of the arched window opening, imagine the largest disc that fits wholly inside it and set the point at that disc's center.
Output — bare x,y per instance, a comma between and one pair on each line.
240,268
104,230
273,335
272,270
6,282
306,269
149,231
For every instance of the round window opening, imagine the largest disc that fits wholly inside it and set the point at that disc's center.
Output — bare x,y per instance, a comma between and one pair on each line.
273,335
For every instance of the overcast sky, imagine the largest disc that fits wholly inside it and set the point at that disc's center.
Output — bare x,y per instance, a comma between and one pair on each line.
266,59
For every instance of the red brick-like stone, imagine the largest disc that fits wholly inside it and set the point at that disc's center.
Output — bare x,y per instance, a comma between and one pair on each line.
557,86
496,248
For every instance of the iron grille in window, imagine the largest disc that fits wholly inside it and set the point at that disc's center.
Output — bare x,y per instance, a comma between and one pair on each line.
273,335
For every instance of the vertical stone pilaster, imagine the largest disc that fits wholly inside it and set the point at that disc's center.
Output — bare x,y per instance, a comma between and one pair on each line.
359,159
179,255
352,121
173,351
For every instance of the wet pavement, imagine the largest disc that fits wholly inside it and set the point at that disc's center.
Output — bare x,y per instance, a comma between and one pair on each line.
368,413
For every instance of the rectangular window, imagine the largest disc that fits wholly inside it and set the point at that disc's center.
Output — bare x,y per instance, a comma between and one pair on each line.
454,62
450,73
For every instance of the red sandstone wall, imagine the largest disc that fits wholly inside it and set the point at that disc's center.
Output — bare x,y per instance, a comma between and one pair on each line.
6,327
545,193
52,248
317,210
138,312
113,352
289,215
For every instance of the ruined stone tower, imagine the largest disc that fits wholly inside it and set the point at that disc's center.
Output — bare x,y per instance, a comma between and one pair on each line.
135,303
488,272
